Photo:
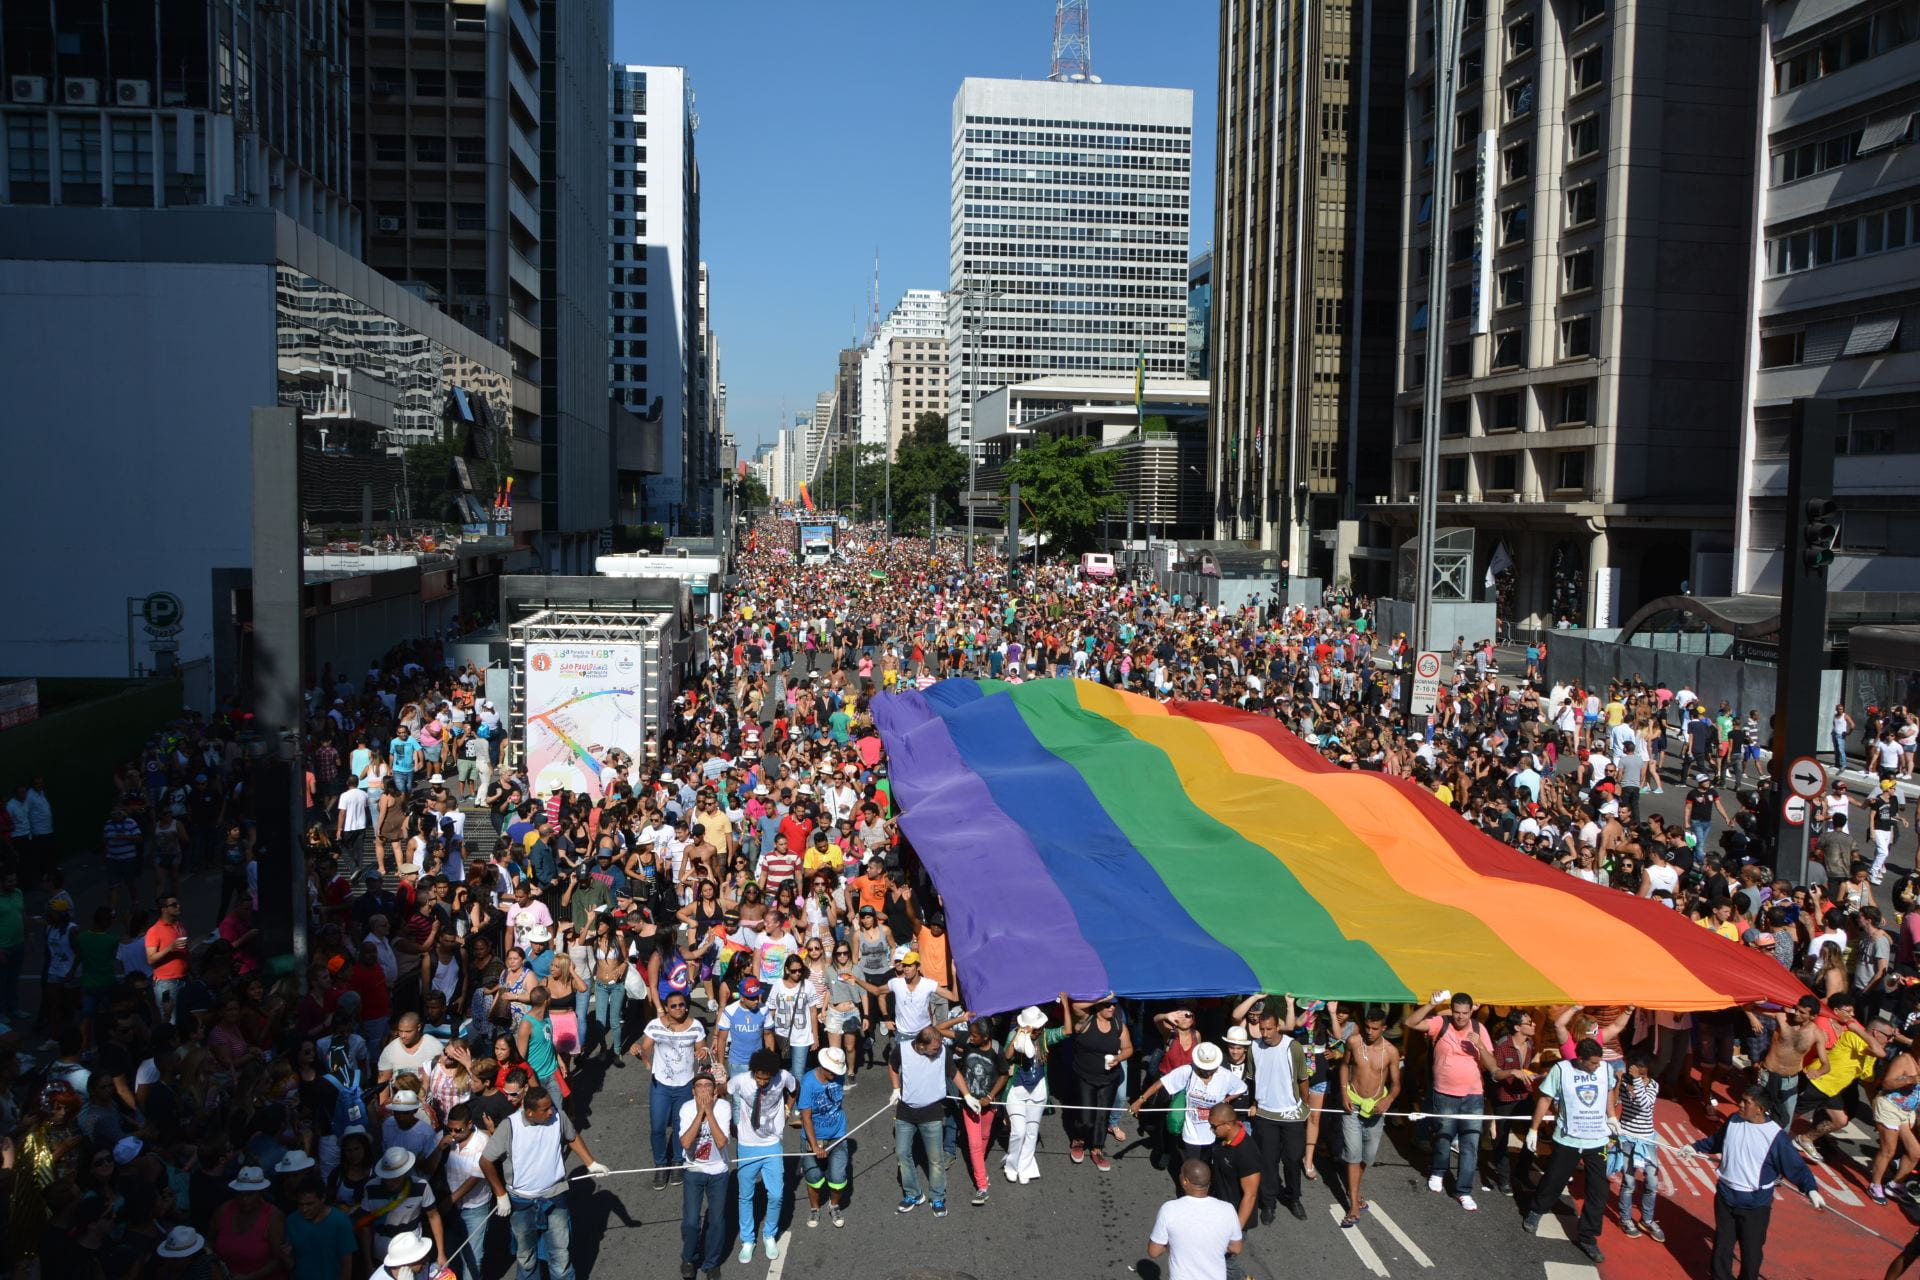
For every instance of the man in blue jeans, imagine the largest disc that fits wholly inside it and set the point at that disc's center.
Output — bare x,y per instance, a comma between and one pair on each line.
670,1047
702,1128
1462,1052
537,1138
760,1096
922,1076
467,1187
403,753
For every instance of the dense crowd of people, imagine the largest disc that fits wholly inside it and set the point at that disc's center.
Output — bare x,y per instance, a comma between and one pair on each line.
734,912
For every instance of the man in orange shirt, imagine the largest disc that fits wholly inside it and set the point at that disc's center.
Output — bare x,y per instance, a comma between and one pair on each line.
872,887
167,947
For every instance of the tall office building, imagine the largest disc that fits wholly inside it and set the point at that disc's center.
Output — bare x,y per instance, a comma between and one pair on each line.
1597,280
576,442
1838,300
1302,336
1069,234
1200,316
893,372
446,165
179,104
655,281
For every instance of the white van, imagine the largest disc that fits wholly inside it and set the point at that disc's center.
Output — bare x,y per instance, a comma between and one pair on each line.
1096,564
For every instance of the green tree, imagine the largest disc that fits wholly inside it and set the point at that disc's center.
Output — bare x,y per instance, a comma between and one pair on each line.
922,470
928,428
1065,487
753,495
430,479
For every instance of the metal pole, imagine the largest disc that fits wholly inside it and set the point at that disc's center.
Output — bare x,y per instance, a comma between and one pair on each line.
886,443
1803,625
1013,534
972,327
1448,17
278,670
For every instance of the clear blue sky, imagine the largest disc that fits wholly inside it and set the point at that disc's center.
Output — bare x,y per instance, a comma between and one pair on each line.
825,134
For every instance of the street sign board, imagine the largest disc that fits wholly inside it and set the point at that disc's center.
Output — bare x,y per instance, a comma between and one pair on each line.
161,612
1426,684
981,498
1806,777
1793,810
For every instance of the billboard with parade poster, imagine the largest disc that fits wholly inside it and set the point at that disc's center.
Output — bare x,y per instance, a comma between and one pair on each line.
583,700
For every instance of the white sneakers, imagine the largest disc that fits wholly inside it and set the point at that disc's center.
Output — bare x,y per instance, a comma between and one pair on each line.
1467,1203
1436,1183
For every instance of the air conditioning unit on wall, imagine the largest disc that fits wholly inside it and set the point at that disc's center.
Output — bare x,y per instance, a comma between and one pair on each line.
28,89
80,91
133,93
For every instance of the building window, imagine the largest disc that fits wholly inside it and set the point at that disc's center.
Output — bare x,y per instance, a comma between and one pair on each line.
1506,349
430,149
29,155
1810,158
390,148
469,217
1520,38
1460,302
1466,128
1583,204
1576,338
1513,226
1503,472
80,159
1419,324
1577,269
1585,11
1423,213
1463,242
1586,68
1576,405
429,83
1455,417
1453,476
1516,162
389,17
1503,411
1460,359
1570,470
1511,287
133,161
429,215
1583,137
1518,99
1778,350
1465,183
1880,231
470,150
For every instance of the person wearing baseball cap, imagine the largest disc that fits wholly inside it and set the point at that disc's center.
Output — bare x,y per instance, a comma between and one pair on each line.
1884,822
742,1027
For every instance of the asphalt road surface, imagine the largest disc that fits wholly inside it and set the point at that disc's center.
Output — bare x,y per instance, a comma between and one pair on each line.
1078,1222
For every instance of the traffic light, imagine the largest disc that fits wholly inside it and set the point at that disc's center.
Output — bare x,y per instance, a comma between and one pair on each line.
1820,532
1285,568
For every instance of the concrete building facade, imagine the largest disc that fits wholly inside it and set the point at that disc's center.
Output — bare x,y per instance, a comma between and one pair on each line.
1300,285
1837,299
1068,244
1597,281
893,375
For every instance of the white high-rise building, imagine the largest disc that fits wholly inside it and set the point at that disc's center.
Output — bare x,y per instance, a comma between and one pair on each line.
920,315
654,348
1069,234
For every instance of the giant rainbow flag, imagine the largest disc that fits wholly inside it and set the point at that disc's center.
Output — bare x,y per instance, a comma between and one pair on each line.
1089,840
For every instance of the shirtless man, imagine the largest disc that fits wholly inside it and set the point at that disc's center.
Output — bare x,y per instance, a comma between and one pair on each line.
1794,1037
1369,1082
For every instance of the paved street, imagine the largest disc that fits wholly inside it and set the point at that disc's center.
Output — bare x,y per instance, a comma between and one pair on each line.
1076,1221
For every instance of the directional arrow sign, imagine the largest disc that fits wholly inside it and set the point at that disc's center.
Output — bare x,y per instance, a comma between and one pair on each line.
1806,777
1793,810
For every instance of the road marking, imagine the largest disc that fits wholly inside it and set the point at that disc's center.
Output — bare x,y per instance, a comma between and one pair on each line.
1571,1271
1834,1185
1687,1171
1551,1227
1368,1258
1414,1251
779,1264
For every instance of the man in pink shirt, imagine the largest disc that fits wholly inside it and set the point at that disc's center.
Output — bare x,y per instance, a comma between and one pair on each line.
1462,1052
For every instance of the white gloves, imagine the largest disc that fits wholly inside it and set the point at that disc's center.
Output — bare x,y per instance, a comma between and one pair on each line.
1533,1140
895,1096
1818,1201
972,1103
502,1206
1441,997
1613,1125
598,1170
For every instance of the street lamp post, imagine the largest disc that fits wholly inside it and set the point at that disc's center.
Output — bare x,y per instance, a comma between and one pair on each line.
1448,23
972,295
886,440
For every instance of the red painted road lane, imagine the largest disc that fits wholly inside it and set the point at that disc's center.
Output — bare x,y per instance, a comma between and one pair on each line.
1802,1244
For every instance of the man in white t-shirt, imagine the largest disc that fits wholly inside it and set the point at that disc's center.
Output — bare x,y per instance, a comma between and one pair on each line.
1196,1233
760,1096
411,1049
913,994
350,827
701,1131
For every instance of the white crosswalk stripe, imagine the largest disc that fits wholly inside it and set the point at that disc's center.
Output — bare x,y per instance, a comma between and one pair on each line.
1369,1258
1834,1185
1404,1240
1572,1271
1683,1171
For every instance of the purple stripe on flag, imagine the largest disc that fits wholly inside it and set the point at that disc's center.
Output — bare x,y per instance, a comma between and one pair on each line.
1007,921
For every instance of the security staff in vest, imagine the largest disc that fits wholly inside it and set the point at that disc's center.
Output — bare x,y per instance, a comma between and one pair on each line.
1280,1079
1755,1154
1583,1088
536,1138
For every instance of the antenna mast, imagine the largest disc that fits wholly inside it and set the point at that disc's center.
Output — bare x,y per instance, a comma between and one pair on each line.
1072,43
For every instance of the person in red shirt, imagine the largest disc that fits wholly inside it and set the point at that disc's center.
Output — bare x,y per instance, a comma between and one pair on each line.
369,981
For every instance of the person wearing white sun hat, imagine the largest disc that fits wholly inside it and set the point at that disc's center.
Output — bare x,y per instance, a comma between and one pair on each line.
405,1253
397,1199
1026,1052
1204,1083
247,1233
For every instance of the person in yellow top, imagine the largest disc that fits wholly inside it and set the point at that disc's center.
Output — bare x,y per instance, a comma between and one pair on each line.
1853,1054
1719,918
1443,792
1616,710
822,852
